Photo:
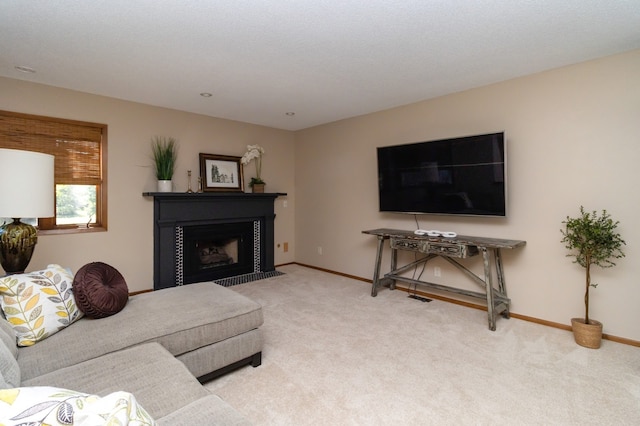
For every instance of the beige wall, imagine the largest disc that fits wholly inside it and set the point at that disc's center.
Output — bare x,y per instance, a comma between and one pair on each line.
128,244
573,139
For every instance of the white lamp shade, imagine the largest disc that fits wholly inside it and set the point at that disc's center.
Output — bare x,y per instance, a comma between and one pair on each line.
26,184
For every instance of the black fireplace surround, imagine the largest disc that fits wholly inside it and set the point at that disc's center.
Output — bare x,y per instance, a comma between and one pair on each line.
207,236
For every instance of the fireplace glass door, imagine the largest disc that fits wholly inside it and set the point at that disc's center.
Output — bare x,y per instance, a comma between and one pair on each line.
218,250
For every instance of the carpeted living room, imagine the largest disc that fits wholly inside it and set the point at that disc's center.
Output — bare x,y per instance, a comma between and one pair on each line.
335,355
391,196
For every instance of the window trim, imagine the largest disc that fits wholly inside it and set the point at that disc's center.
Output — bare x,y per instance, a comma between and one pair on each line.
47,226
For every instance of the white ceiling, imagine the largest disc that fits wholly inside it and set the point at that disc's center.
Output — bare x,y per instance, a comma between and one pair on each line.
325,60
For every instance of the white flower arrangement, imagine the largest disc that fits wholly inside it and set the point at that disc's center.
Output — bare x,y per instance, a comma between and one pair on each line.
254,152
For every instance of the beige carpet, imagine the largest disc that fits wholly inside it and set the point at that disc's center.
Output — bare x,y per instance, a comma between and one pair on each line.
336,356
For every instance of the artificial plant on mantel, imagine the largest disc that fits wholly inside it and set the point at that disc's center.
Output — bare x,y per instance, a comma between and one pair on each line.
255,152
165,156
592,239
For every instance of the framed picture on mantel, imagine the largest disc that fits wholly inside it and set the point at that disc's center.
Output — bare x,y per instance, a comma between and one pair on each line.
222,173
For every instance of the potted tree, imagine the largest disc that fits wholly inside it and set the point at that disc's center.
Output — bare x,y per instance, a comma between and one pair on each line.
592,239
165,156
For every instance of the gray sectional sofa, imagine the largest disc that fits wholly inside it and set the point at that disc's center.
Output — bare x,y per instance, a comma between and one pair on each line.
160,348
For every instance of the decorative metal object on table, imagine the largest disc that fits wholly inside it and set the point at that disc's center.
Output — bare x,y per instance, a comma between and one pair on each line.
450,249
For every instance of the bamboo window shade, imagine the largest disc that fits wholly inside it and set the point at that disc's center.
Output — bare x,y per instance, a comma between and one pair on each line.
76,146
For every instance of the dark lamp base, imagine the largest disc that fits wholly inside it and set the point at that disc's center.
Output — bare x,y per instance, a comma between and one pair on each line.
17,241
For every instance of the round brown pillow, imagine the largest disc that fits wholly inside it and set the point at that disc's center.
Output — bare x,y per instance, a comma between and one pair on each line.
100,290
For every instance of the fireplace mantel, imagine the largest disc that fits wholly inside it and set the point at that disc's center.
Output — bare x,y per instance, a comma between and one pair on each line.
174,210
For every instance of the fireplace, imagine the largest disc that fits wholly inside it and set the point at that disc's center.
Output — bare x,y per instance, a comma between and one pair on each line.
209,236
216,251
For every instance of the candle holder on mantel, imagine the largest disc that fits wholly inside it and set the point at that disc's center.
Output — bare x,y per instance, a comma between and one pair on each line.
189,191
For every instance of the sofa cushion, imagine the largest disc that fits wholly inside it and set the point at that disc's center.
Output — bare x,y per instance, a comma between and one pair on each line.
160,382
207,359
182,319
8,336
4,384
100,290
55,406
9,369
210,410
39,304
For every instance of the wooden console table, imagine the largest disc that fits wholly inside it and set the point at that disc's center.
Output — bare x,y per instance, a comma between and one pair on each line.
450,249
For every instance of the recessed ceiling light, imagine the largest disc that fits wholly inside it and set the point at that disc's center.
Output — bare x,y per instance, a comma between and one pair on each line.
206,95
290,113
23,68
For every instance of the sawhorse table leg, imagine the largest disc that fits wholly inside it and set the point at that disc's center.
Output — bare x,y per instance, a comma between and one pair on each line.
488,281
376,270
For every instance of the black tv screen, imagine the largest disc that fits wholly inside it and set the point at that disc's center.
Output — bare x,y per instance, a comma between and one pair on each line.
458,176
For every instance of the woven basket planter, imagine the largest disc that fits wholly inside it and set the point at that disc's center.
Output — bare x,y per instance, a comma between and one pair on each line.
587,335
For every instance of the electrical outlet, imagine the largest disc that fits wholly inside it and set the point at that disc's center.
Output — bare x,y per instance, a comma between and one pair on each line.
437,272
284,204
285,247
320,250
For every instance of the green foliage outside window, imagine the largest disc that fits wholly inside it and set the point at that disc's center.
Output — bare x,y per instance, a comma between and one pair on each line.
75,204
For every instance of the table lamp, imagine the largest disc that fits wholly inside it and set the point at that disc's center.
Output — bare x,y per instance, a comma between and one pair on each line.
26,190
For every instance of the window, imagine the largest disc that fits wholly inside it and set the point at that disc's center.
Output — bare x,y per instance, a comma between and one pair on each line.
80,166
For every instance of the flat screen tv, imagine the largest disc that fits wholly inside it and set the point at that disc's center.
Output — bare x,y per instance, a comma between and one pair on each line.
458,176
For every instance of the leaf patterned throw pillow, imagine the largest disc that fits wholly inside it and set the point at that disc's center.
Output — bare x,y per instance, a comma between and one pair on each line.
44,405
39,304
